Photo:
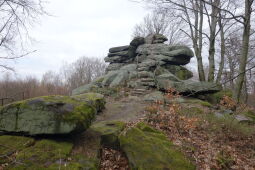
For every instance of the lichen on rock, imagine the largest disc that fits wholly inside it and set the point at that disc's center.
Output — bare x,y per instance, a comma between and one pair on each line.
51,114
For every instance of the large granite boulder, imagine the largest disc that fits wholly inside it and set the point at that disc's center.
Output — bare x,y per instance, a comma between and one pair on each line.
51,114
175,55
188,87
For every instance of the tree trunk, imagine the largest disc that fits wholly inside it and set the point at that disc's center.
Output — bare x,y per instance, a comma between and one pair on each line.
200,66
222,52
245,49
212,37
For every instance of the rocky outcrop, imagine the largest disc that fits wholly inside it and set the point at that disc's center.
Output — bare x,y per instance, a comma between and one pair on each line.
148,63
51,114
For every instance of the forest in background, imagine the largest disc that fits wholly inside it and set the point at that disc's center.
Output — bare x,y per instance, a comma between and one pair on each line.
220,32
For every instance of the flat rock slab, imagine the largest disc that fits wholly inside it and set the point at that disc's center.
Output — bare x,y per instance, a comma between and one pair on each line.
51,114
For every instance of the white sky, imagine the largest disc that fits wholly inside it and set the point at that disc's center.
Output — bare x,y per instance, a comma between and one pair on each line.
79,28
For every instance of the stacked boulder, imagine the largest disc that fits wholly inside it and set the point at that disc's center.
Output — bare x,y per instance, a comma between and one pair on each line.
149,63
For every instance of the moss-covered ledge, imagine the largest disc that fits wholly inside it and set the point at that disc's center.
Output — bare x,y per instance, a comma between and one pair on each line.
147,148
51,114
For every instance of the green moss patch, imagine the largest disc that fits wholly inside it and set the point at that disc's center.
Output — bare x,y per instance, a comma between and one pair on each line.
51,114
95,99
147,148
9,145
28,153
108,132
216,97
44,153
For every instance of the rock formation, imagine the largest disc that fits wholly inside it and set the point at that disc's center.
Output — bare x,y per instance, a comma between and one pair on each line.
149,63
51,114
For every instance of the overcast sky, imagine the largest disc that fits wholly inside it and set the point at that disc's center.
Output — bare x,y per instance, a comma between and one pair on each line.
79,28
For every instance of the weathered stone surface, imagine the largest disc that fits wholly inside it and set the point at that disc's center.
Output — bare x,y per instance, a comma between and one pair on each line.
148,63
129,67
97,83
118,49
50,114
188,87
145,74
121,53
114,66
147,148
108,132
150,58
155,39
109,77
137,41
115,59
181,72
154,97
120,79
167,76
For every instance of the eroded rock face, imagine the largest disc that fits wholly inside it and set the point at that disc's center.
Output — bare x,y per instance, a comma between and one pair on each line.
148,63
51,114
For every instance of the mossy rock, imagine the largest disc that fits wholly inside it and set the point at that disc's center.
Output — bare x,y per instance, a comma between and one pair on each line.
108,132
181,72
44,154
216,97
32,154
12,144
51,114
147,148
95,99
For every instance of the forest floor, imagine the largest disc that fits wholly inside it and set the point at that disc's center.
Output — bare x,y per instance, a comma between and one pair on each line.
209,142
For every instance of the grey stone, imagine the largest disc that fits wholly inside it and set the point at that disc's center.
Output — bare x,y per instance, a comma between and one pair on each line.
121,53
179,71
129,67
114,66
223,113
109,77
51,115
118,49
176,55
115,59
83,89
188,87
145,74
137,41
148,63
155,38
120,79
242,118
167,76
160,70
154,97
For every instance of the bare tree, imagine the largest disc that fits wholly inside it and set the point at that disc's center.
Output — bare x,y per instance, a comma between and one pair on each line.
246,22
16,17
162,21
83,71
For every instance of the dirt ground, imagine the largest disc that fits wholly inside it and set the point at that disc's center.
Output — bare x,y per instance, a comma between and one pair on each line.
127,109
